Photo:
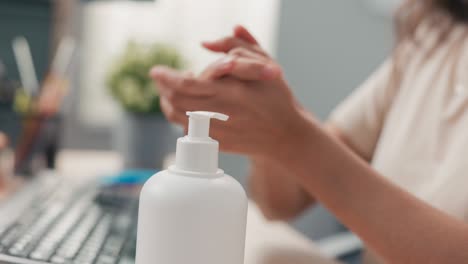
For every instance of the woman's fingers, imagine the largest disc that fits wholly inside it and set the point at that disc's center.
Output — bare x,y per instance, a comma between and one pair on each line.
183,83
242,33
241,39
172,113
243,68
227,44
218,69
254,70
242,52
225,65
175,106
190,103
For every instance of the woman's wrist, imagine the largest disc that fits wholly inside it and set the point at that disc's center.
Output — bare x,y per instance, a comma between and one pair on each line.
299,133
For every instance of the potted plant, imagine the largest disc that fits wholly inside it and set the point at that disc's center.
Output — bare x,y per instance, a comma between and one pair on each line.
143,137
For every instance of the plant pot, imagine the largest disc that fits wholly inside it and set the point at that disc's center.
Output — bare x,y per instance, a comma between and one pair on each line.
144,141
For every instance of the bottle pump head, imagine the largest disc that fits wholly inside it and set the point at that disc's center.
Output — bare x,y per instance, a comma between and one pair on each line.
199,123
197,152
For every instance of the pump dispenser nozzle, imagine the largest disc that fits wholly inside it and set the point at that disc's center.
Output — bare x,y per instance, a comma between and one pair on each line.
197,152
199,123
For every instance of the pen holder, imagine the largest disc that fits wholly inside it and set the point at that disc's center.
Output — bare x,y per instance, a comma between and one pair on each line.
38,143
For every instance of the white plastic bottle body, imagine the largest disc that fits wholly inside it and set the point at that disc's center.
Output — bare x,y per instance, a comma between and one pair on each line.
191,220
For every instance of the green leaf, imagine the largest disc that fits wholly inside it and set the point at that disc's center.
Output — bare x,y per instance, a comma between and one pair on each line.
128,79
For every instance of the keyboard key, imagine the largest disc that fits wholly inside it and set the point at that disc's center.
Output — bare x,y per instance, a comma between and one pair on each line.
103,259
82,262
40,255
10,236
57,260
126,260
15,252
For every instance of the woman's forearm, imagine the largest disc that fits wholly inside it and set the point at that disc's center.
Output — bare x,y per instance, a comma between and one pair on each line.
280,197
277,195
397,225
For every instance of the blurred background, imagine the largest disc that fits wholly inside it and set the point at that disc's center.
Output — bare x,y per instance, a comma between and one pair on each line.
99,97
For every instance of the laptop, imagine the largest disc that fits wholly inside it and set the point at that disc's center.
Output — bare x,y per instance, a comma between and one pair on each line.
55,219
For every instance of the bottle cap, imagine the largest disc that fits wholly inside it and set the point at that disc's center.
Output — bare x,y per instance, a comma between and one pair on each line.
197,152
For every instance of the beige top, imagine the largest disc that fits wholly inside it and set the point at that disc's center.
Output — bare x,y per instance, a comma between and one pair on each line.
416,132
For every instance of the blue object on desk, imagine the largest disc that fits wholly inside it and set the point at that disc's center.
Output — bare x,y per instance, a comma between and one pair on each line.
128,177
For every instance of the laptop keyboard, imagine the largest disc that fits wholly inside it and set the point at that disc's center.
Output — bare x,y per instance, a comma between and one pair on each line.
83,227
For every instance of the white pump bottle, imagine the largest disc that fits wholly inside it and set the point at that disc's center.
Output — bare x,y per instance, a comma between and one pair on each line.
192,213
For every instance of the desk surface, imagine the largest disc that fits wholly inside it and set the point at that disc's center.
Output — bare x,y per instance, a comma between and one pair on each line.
267,242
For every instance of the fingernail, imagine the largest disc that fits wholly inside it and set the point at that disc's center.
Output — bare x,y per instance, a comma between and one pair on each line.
270,72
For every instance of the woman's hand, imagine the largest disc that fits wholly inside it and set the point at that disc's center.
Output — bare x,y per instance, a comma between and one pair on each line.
262,112
241,38
265,117
246,84
241,45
